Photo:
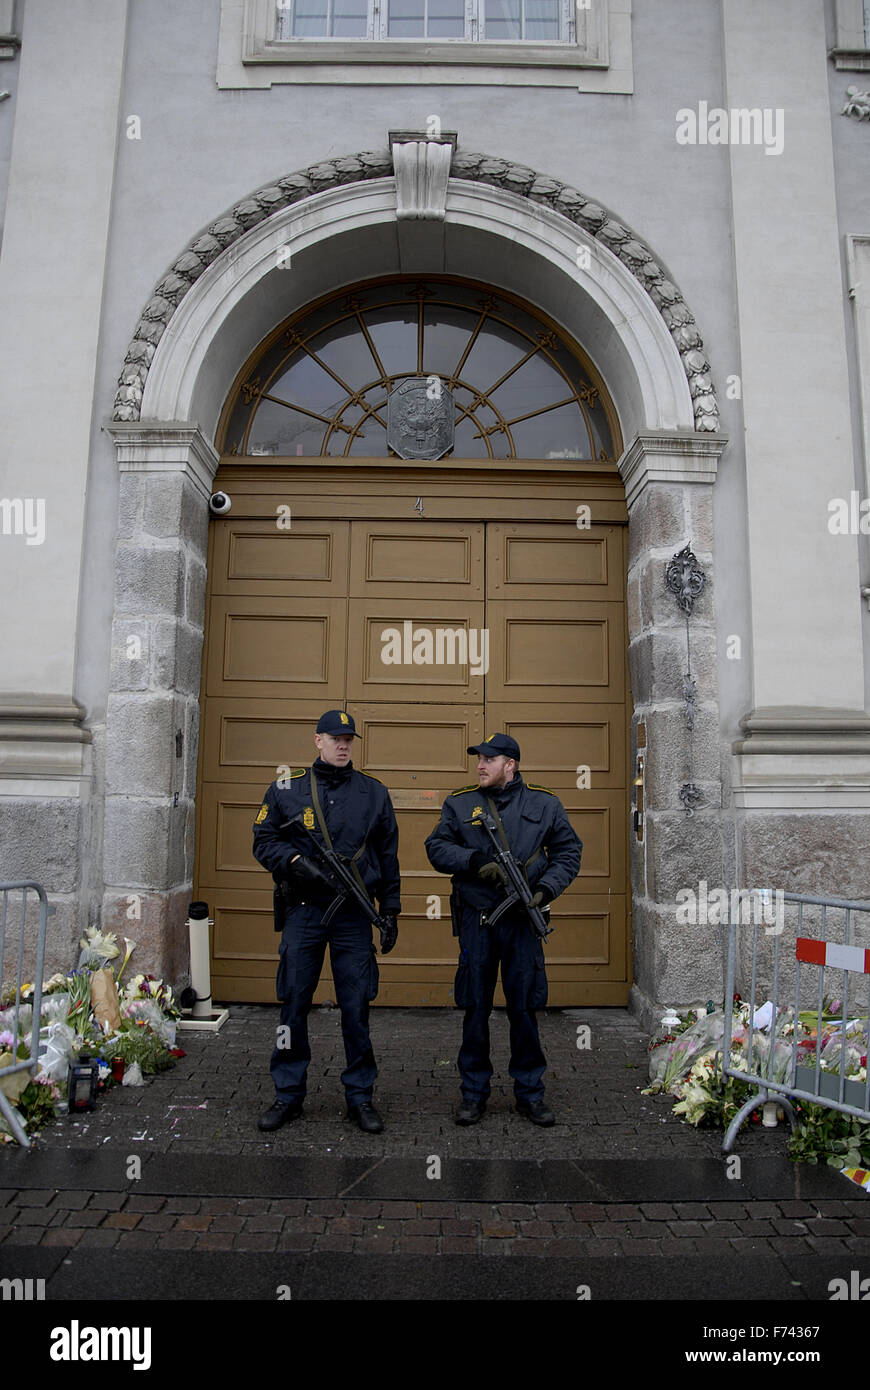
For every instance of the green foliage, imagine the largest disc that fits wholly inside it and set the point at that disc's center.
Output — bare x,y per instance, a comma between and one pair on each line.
36,1105
829,1136
137,1043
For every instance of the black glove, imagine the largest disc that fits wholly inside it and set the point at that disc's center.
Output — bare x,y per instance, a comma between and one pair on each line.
485,868
542,897
492,874
389,932
308,876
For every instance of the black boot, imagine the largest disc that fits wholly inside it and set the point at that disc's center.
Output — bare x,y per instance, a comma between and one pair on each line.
279,1114
536,1111
366,1117
470,1112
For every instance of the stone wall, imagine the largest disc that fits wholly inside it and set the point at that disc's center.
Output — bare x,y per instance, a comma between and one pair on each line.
673,964
153,712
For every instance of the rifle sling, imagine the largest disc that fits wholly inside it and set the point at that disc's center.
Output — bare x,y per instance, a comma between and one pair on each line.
503,837
321,821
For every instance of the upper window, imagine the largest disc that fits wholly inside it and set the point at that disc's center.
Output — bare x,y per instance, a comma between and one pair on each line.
470,21
585,44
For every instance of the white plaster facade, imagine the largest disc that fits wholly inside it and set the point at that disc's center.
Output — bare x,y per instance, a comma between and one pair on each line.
133,128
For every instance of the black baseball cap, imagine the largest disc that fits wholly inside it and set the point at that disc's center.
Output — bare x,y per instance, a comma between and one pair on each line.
498,743
336,721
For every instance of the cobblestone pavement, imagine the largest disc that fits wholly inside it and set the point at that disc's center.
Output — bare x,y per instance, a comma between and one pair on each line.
210,1101
120,1221
617,1176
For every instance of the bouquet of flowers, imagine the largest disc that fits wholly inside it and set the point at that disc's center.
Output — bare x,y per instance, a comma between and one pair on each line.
79,989
136,1042
150,988
706,1096
855,1066
672,1060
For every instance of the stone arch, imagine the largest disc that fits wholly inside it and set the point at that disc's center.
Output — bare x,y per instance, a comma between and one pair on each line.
517,186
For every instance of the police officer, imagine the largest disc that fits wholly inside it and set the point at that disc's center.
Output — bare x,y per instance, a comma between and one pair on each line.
351,813
541,839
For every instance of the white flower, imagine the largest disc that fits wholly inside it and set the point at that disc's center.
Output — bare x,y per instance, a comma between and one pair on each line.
97,943
130,947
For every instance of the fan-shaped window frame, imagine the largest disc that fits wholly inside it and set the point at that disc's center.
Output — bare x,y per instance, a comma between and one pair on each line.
583,385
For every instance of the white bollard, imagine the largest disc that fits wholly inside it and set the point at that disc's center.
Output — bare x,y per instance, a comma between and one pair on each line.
198,922
200,1014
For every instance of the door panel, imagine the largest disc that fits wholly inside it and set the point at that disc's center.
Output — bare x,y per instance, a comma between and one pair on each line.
244,947
556,740
420,746
559,651
259,557
284,648
411,649
443,560
227,812
249,740
554,562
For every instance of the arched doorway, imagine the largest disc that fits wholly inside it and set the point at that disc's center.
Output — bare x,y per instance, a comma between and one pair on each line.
346,573
599,283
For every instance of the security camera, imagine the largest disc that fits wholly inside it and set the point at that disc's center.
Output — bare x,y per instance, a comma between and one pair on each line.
219,503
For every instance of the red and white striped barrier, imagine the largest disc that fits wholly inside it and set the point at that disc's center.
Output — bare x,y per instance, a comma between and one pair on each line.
854,958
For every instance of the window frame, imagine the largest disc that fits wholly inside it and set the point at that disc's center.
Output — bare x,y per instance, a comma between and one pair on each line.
474,18
475,299
852,53
588,47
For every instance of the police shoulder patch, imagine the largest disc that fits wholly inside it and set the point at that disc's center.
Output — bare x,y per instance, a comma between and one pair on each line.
536,787
298,771
473,787
262,814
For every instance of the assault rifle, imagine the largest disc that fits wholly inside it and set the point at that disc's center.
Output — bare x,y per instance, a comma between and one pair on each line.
519,892
340,877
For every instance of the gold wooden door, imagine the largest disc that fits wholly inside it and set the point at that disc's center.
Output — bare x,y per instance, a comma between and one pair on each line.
557,684
299,621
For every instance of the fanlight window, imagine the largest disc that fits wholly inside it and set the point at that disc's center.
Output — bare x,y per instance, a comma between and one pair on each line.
507,383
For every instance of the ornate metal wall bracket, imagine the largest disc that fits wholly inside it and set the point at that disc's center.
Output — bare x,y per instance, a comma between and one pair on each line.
685,579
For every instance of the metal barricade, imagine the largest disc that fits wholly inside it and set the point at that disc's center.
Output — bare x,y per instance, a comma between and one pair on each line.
771,1064
28,1063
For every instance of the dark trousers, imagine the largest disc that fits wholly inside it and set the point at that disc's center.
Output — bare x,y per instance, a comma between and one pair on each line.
355,975
513,945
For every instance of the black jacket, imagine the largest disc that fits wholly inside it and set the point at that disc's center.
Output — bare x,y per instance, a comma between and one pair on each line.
538,831
356,808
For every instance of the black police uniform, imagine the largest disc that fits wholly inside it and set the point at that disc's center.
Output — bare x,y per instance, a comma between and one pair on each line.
542,840
362,826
